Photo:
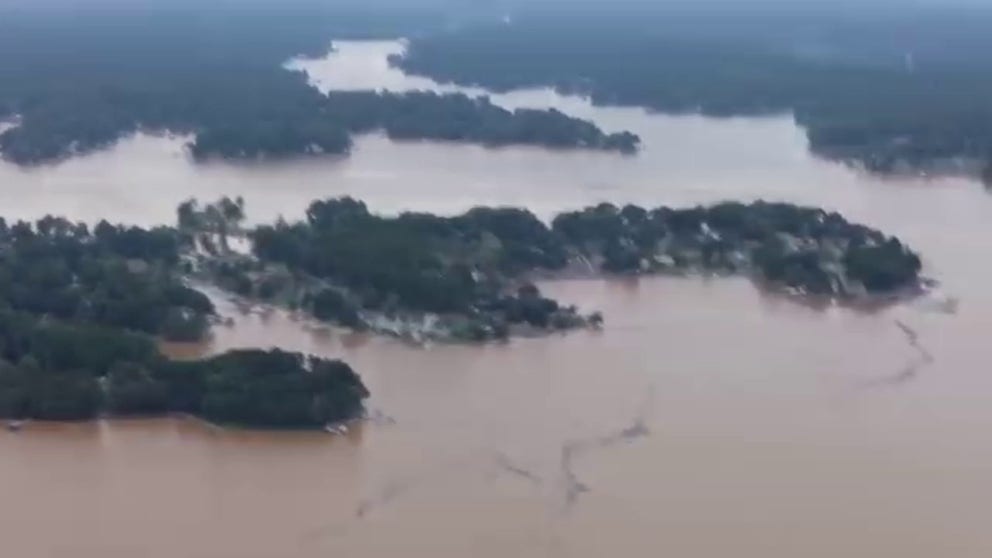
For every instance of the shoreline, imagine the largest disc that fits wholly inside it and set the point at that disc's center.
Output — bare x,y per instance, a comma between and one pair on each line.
418,334
342,427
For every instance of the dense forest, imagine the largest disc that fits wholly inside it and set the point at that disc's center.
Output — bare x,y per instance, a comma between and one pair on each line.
328,125
79,314
887,90
472,272
803,249
80,310
51,370
112,276
347,265
215,72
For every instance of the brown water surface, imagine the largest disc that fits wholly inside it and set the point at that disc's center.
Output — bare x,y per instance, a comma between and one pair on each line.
706,420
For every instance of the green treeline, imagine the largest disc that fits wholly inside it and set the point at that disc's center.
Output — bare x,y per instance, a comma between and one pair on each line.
887,91
80,310
356,265
113,276
327,127
79,314
216,73
57,371
457,266
806,249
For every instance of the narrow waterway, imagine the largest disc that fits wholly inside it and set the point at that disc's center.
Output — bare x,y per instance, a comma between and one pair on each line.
706,420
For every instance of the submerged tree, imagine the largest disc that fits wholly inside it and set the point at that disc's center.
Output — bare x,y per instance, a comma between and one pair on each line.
219,219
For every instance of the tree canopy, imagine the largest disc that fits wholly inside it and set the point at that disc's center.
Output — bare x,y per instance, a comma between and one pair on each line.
807,249
80,312
56,371
884,89
350,266
114,276
216,74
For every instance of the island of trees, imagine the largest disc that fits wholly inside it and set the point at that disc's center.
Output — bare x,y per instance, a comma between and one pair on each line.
328,126
416,275
468,277
804,250
216,73
80,312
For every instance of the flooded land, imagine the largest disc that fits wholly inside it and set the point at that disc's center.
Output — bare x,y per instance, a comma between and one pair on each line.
707,419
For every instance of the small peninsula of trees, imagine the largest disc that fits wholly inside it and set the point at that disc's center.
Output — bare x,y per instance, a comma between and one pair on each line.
58,371
468,276
113,276
80,312
808,250
381,267
216,74
404,116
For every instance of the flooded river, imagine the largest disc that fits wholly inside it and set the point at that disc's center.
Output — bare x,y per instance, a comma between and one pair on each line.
706,420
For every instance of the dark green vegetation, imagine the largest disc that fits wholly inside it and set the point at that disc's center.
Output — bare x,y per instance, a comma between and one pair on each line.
78,312
78,309
113,276
327,126
269,389
889,89
58,371
805,249
361,269
349,266
80,81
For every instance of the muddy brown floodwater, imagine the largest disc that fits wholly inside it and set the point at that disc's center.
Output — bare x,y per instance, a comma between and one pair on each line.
706,420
